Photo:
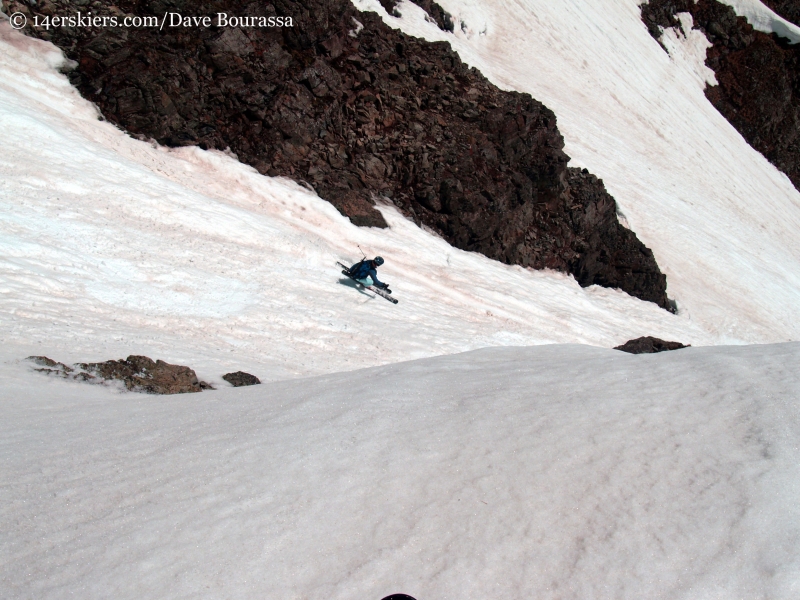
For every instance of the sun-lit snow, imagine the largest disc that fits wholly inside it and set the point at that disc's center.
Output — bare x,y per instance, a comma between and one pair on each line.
553,472
113,246
763,18
688,47
721,220
558,471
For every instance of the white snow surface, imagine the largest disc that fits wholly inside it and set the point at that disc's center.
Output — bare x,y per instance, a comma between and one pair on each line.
721,220
111,246
764,19
548,472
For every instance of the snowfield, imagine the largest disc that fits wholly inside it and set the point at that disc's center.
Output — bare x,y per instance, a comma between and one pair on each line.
551,472
467,443
112,246
721,220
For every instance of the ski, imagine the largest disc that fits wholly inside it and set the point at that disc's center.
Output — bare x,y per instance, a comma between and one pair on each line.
373,289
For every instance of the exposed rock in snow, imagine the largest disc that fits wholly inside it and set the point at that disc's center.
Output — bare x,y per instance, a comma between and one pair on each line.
241,379
440,16
48,366
137,373
649,345
606,257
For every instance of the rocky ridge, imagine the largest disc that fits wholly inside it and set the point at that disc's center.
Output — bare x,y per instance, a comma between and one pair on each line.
344,104
758,75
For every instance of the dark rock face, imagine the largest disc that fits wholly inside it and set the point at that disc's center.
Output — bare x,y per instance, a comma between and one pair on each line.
241,379
609,255
345,104
649,345
788,9
138,373
758,75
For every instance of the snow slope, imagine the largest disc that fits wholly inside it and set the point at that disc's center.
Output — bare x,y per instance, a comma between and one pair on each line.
110,246
557,471
552,472
721,220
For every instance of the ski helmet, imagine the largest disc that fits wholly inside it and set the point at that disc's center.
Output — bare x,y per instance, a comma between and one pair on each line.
378,261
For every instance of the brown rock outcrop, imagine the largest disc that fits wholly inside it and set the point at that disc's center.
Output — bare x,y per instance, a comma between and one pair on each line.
439,15
143,374
649,345
58,369
137,373
241,379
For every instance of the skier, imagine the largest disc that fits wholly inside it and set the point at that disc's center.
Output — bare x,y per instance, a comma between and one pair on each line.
365,272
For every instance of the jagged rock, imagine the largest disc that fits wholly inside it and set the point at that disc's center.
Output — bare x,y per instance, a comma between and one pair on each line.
611,255
57,369
138,373
758,75
358,111
649,345
50,364
142,374
241,379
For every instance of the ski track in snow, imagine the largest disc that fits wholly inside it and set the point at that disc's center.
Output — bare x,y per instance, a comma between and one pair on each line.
550,472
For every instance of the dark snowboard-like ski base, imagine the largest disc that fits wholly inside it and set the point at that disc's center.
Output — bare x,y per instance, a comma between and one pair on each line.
371,288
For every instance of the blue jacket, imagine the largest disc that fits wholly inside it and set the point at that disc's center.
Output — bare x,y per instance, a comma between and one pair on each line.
362,269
